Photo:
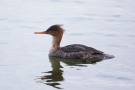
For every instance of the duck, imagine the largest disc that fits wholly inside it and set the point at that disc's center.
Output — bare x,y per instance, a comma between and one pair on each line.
73,51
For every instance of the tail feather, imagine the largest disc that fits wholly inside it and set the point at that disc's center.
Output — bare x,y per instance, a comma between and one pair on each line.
103,56
107,56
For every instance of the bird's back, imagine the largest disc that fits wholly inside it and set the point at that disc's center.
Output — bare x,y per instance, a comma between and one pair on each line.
76,51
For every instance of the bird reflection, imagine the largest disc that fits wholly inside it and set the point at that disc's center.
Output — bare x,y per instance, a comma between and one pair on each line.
55,76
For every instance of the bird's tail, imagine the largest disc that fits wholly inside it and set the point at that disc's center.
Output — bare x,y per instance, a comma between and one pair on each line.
107,56
103,56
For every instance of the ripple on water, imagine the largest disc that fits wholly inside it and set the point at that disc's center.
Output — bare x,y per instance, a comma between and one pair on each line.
114,77
55,0
80,19
76,34
131,36
17,21
115,16
30,27
118,46
110,35
3,19
79,2
123,78
91,14
3,42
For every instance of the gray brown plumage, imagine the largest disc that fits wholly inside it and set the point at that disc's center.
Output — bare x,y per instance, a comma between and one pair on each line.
76,51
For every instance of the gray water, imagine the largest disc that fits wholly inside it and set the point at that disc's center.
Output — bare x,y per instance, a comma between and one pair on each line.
107,25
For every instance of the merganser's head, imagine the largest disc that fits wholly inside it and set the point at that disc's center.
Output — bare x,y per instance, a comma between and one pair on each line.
54,30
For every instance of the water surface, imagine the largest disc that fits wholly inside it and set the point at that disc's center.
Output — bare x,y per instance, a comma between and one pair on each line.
105,25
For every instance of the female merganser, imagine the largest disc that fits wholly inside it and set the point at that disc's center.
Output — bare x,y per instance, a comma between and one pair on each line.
74,51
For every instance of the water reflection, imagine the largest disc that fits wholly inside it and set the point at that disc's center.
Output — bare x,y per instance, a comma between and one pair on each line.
55,76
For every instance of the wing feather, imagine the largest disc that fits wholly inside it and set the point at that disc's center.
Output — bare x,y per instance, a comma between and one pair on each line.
80,48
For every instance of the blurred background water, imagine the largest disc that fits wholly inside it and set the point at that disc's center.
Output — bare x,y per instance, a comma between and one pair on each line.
107,25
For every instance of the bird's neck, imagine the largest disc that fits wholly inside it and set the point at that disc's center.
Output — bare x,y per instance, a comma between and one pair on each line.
56,42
